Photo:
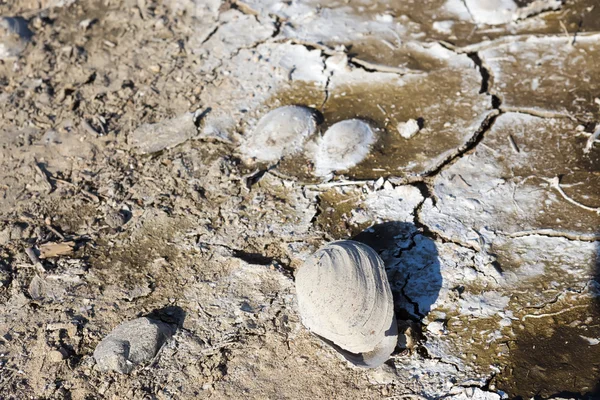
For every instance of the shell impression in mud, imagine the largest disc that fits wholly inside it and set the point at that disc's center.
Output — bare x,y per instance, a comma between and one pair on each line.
280,132
345,298
344,145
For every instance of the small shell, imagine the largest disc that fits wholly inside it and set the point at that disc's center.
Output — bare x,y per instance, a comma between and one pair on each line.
344,145
280,132
345,298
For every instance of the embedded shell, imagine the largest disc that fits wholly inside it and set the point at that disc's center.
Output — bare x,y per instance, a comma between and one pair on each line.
344,145
344,297
280,132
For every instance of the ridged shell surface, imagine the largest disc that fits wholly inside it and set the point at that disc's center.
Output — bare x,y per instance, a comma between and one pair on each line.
280,132
344,145
344,297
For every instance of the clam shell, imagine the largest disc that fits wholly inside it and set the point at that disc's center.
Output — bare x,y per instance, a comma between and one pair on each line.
280,132
344,145
345,298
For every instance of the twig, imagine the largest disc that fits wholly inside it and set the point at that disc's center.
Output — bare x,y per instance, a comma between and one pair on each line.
464,181
154,360
555,183
409,396
43,175
552,233
577,31
32,256
551,314
515,201
513,144
388,44
590,142
57,233
565,30
35,259
337,183
489,148
90,195
89,128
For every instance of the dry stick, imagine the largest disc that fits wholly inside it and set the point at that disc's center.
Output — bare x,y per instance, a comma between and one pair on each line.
388,44
43,175
57,233
32,256
590,142
537,316
90,195
513,144
408,396
327,185
35,259
555,182
89,128
565,30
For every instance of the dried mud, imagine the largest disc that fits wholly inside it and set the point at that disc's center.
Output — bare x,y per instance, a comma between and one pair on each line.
487,219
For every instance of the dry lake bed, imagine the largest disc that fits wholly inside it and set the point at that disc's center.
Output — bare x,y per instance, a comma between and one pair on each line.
169,165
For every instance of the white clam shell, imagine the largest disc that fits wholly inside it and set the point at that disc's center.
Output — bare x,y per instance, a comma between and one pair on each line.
345,298
344,145
280,132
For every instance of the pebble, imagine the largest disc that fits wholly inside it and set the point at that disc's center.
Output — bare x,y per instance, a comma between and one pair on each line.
436,327
115,219
408,129
131,343
57,355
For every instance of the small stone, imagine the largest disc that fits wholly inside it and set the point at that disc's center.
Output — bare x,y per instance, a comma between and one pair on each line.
4,237
409,128
407,339
131,343
57,355
437,328
86,23
18,232
115,219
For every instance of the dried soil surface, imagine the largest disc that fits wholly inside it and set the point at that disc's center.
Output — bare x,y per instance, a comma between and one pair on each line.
126,192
